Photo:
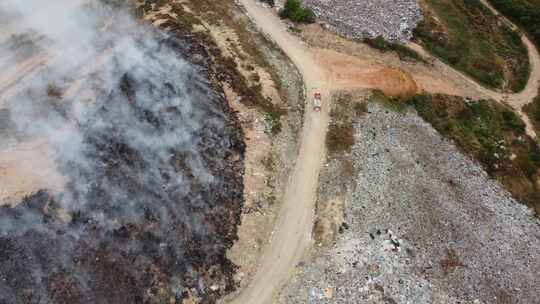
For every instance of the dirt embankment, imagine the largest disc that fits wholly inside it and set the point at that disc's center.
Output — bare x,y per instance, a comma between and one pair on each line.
268,100
429,76
350,73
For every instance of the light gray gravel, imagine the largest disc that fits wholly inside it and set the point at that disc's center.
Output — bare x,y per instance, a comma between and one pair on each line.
425,225
392,19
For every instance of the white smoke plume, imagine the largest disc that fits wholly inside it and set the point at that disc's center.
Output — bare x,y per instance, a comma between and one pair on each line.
146,144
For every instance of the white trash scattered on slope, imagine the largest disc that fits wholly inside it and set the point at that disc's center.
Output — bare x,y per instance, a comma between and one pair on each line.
394,20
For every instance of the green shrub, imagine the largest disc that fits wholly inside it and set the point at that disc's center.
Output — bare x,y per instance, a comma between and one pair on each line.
513,122
272,122
525,13
391,103
378,43
533,111
294,11
402,51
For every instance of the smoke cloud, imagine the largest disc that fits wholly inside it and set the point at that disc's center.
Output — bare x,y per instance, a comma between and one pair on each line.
151,153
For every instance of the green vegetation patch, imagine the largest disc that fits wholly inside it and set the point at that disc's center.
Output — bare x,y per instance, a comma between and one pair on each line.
391,103
524,13
468,36
294,11
493,134
402,51
340,136
533,111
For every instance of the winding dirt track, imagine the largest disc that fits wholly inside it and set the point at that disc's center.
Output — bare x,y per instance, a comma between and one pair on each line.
517,100
292,234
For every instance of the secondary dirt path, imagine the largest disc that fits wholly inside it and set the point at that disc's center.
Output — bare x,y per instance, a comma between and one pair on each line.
530,91
517,100
292,235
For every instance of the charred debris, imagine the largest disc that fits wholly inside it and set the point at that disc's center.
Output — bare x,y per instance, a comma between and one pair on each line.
146,218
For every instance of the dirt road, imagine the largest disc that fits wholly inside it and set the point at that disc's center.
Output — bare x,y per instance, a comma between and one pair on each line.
292,235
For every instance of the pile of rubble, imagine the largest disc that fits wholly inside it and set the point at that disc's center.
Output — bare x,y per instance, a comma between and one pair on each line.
424,224
394,20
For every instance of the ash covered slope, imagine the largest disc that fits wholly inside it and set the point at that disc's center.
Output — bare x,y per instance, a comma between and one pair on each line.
152,156
425,224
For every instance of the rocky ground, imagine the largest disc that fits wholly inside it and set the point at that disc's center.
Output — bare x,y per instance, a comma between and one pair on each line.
394,20
422,224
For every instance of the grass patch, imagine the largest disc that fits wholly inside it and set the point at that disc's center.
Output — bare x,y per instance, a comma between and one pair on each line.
533,111
468,36
493,134
391,103
251,95
294,11
340,136
403,52
524,13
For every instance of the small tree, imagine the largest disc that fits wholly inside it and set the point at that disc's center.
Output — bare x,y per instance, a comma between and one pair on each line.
269,2
294,11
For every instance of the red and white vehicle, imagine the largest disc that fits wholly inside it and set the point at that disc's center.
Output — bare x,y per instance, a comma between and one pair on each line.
317,103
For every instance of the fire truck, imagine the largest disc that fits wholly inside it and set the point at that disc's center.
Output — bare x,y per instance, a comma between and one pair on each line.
317,102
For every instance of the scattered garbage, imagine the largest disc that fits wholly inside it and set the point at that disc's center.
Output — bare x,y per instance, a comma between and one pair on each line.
328,292
394,20
411,238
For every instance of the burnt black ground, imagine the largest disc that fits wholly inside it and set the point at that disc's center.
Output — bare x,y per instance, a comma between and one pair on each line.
146,225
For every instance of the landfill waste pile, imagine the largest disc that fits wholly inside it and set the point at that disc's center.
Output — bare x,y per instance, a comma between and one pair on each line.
423,224
393,20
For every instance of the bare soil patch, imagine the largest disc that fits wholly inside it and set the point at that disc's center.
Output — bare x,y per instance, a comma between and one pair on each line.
427,76
27,167
351,73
